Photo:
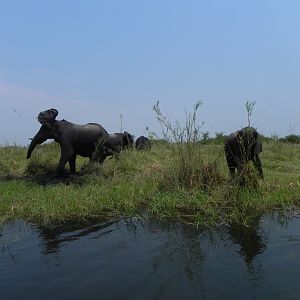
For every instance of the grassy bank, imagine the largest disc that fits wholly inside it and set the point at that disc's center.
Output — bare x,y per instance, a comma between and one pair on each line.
157,183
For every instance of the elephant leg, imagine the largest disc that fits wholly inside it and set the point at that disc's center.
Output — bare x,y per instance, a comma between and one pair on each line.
258,165
231,166
66,154
232,172
72,163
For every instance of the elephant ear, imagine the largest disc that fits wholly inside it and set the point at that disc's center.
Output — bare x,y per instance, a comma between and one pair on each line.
258,147
48,116
240,135
128,139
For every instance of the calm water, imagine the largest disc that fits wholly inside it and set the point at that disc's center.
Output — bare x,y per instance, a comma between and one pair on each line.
147,260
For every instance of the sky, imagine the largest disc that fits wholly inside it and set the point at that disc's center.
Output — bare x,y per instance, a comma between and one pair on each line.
95,60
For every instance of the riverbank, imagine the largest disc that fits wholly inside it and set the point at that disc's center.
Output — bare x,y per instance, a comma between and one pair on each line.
157,183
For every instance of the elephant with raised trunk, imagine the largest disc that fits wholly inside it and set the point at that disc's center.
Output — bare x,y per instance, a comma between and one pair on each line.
241,147
85,140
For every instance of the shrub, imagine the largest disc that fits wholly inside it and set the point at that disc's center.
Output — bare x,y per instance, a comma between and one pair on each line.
292,138
190,170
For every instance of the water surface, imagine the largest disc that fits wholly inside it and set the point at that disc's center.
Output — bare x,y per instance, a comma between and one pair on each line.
133,259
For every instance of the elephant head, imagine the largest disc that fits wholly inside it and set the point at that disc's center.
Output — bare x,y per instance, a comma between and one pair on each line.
47,119
128,139
248,141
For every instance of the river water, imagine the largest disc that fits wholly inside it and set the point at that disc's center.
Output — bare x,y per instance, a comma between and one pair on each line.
134,259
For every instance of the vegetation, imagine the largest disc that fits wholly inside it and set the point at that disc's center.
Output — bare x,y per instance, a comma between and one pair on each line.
159,183
249,108
291,138
183,178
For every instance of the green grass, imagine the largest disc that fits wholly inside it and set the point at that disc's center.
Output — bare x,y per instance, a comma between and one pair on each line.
170,182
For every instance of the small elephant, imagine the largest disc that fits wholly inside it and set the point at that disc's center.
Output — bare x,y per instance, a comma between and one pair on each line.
241,147
143,143
84,140
117,142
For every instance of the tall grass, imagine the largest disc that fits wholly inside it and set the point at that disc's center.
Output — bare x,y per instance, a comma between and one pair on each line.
143,182
191,168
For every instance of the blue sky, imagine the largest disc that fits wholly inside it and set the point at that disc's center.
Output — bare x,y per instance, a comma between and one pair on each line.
95,60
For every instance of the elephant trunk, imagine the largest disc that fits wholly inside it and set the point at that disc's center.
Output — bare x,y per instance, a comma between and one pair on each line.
31,148
39,138
32,145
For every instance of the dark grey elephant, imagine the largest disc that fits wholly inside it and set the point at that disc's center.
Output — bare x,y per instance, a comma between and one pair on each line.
241,147
117,142
143,143
85,140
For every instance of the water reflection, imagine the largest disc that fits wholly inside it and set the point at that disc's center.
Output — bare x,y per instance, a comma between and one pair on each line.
249,238
11,233
181,249
144,259
52,238
180,240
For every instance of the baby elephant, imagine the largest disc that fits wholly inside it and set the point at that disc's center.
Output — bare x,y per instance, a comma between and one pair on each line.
143,143
241,147
117,142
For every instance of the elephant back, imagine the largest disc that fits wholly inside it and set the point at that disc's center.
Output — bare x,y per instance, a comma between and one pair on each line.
142,142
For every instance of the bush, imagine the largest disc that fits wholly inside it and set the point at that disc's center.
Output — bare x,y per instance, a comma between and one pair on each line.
292,138
190,170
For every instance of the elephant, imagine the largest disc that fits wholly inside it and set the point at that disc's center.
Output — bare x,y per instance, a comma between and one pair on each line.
143,143
117,142
85,140
241,147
